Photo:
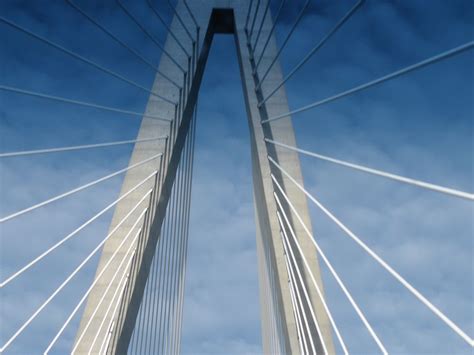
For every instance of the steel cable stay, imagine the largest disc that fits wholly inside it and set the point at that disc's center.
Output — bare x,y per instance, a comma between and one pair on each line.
294,287
406,180
96,279
331,269
118,291
165,25
381,261
71,275
146,231
84,59
144,301
150,36
79,103
184,218
296,312
74,232
122,43
285,42
177,236
180,20
299,298
308,268
269,37
170,267
316,48
274,308
260,27
164,267
143,229
189,170
300,314
257,8
177,215
78,147
247,18
191,14
393,75
77,189
161,258
182,271
127,267
106,341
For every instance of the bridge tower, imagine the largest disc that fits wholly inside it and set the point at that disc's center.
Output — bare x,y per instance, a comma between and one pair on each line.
142,291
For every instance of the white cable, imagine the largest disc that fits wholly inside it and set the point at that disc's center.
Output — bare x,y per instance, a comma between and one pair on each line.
65,282
423,63
96,309
106,340
305,291
403,179
382,262
80,103
77,147
96,279
109,334
316,286
122,43
300,306
293,303
72,234
112,301
77,189
84,60
332,270
318,46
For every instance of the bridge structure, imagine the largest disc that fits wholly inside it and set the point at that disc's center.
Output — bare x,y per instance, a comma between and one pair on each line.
135,301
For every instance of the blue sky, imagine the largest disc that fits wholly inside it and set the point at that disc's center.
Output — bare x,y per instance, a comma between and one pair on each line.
420,125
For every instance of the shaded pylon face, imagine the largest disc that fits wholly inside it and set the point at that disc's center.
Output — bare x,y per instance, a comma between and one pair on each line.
140,278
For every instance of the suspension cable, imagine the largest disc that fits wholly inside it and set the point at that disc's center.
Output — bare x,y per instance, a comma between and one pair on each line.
180,20
122,43
377,258
66,281
305,291
108,336
77,147
79,103
149,35
406,180
257,8
96,279
120,289
380,80
285,42
83,59
247,19
310,272
163,22
77,189
279,12
259,32
332,270
109,285
296,311
314,50
191,14
73,233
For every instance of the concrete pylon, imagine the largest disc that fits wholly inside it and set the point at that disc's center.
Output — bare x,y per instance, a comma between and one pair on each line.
280,330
